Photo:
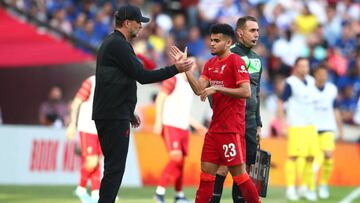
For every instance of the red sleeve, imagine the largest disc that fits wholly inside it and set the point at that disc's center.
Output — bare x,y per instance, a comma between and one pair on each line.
148,64
168,85
85,90
205,73
240,70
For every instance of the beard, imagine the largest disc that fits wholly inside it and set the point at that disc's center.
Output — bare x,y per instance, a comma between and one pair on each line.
133,34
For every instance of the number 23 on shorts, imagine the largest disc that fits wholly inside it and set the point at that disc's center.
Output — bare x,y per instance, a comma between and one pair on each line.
229,151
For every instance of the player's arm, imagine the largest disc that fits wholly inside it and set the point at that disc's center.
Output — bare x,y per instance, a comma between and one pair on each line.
243,91
159,106
197,85
74,113
258,117
281,109
339,123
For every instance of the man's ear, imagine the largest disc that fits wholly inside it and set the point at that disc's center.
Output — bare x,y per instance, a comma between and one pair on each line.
239,32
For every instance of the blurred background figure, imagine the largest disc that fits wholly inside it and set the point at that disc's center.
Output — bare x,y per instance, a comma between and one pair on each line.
80,120
327,121
301,132
173,120
54,111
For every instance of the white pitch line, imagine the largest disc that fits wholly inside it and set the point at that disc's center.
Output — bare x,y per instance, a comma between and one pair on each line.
352,196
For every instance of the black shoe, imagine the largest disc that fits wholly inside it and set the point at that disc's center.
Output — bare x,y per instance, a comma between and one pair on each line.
181,200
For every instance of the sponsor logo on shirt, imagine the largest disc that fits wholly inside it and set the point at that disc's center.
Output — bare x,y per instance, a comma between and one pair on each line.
217,83
242,69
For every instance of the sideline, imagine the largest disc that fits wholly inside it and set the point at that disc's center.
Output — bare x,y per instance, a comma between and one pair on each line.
352,196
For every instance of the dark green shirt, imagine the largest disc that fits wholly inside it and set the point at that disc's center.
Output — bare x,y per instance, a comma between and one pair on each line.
254,65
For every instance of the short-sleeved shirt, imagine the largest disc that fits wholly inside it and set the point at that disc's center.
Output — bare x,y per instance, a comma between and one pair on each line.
228,112
86,94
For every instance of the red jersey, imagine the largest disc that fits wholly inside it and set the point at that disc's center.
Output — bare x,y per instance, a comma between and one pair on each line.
228,112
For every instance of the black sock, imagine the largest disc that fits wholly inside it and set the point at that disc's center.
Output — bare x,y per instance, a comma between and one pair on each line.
218,188
236,194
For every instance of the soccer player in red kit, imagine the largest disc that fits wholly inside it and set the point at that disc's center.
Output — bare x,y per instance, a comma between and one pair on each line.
225,77
80,119
173,121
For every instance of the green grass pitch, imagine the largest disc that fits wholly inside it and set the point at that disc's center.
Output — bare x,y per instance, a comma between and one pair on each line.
64,194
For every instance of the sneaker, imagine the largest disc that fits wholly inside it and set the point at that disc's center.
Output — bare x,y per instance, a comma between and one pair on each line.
83,195
301,191
159,198
311,196
181,200
324,192
291,194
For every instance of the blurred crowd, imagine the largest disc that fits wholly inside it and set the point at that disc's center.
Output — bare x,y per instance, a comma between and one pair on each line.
322,30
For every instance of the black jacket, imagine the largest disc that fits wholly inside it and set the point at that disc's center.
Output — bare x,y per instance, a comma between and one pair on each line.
117,70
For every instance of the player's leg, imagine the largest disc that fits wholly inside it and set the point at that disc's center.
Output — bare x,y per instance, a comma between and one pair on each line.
251,147
114,141
207,181
85,171
294,150
93,166
244,183
219,183
327,146
312,146
234,155
95,177
303,182
209,166
172,139
184,142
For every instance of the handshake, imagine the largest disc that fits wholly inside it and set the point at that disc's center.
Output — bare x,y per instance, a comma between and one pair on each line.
181,61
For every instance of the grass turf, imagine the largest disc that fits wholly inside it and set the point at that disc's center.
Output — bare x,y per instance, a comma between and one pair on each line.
64,194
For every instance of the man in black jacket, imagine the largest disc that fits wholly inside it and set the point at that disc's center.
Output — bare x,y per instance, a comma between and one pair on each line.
117,70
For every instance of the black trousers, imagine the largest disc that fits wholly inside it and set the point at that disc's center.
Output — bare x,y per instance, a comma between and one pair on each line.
114,141
251,145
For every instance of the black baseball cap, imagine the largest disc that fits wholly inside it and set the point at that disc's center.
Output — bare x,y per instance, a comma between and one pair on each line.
130,12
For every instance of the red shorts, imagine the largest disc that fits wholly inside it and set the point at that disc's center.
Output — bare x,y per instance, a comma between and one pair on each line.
176,139
228,149
89,144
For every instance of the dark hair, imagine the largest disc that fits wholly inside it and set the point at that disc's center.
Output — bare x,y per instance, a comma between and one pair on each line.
320,66
242,21
119,22
224,29
298,59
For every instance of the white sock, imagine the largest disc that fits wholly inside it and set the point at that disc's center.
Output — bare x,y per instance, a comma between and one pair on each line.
160,190
81,190
180,194
95,194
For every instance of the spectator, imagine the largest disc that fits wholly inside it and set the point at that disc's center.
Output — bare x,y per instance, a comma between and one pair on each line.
306,22
196,44
229,12
179,30
347,104
332,28
356,117
54,111
289,47
60,22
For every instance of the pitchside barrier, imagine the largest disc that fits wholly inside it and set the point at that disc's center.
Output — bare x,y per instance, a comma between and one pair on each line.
42,156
